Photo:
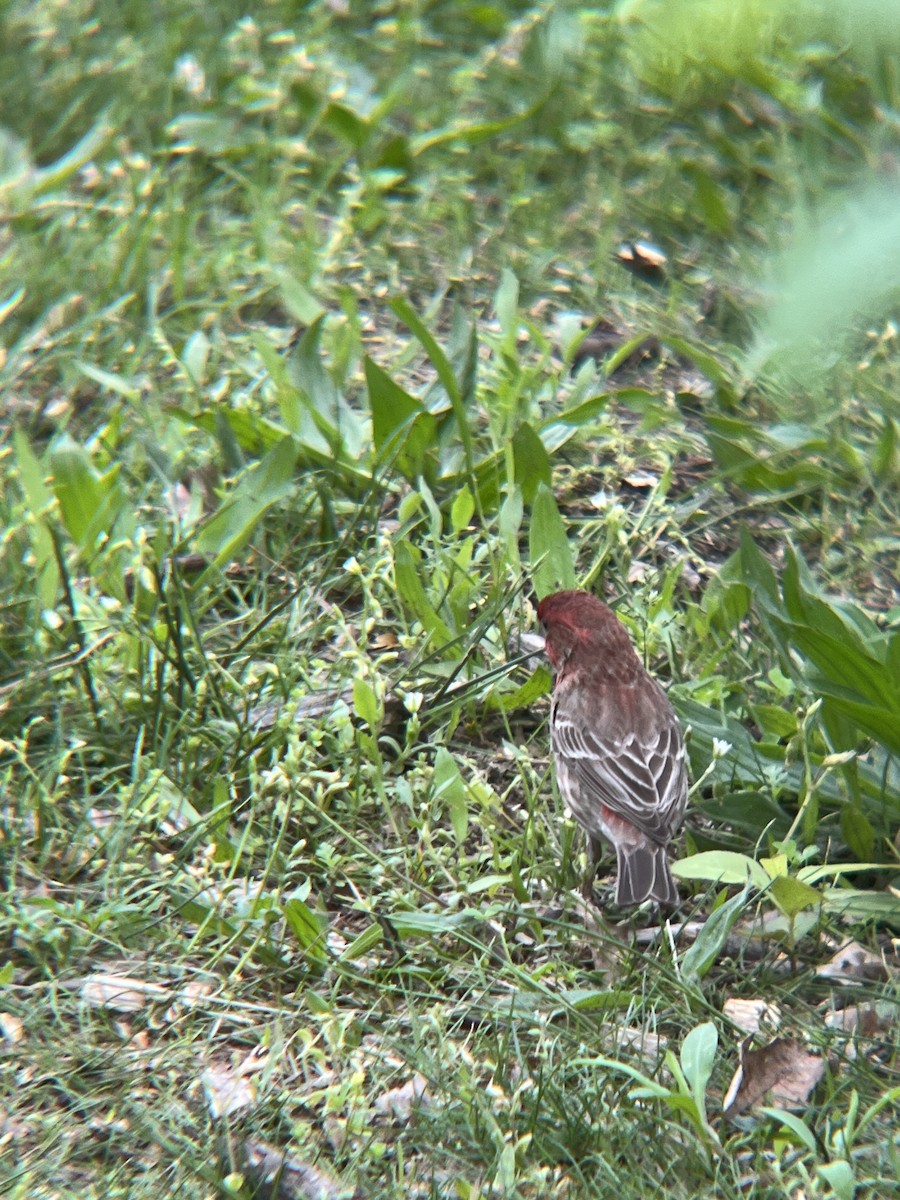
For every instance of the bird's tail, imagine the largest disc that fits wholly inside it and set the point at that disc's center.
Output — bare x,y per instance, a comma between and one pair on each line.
644,875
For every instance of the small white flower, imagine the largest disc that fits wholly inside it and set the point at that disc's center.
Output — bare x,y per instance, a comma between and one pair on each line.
412,702
721,748
189,75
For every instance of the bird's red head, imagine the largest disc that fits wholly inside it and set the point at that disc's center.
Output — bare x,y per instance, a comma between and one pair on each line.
579,627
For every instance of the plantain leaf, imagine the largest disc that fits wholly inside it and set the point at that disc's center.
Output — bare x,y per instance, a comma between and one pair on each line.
548,546
259,488
700,956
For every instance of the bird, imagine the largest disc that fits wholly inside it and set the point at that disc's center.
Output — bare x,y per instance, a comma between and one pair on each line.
617,746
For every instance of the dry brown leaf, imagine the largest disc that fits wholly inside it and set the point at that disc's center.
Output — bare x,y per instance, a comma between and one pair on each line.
866,1020
853,962
400,1101
227,1090
870,1029
275,1175
121,993
752,1015
650,1046
193,993
783,1071
637,572
11,1027
641,479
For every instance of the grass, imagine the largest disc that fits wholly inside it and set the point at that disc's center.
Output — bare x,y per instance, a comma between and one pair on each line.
294,421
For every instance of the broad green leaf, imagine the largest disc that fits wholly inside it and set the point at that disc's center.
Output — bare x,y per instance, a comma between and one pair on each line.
649,1087
462,509
840,1177
698,1056
774,720
721,866
257,435
408,578
450,789
401,426
702,359
306,928
585,413
441,363
858,906
390,405
294,411
509,522
591,999
89,503
37,493
343,427
363,943
702,954
212,134
548,546
365,702
814,874
531,462
300,302
886,456
208,921
195,356
346,123
757,573
506,306
524,696
883,724
795,1124
269,481
473,133
38,496
775,866
427,924
49,178
792,896
857,831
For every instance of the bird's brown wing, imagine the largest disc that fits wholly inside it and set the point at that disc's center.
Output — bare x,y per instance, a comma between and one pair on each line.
642,778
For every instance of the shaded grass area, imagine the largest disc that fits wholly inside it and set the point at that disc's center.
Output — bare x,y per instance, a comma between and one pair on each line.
298,407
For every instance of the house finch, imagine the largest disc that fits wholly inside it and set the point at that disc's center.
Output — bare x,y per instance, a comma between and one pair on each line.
617,745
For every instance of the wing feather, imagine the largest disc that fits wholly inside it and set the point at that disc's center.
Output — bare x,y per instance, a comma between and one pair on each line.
642,779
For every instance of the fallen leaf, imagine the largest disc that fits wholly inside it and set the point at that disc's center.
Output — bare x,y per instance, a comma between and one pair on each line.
400,1101
752,1015
122,993
650,1046
274,1175
783,1071
227,1090
11,1027
643,259
637,572
853,962
641,480
867,1027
